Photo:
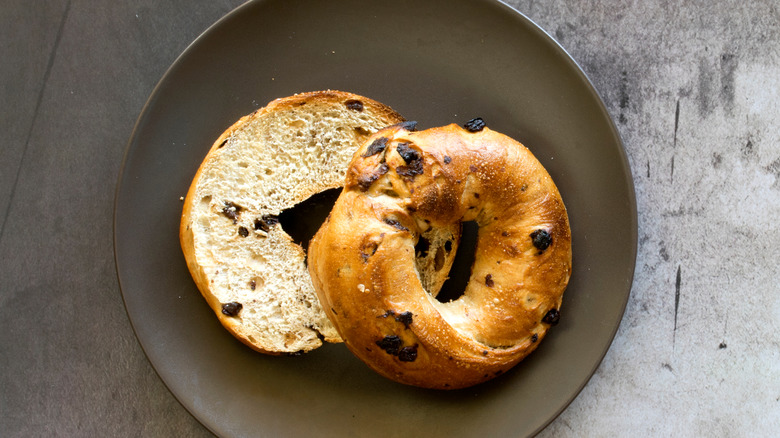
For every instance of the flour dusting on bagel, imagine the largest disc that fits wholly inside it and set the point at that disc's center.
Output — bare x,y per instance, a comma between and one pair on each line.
404,188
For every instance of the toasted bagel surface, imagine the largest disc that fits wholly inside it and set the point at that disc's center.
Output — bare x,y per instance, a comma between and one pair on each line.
402,184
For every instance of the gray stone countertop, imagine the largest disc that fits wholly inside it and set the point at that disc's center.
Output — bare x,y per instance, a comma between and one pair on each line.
694,88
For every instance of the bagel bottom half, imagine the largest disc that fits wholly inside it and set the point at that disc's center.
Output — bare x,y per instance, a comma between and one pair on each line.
400,185
237,246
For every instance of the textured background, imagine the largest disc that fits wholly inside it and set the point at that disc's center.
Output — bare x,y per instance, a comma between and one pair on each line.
695,93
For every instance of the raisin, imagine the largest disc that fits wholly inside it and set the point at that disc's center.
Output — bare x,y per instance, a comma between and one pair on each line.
405,318
534,337
270,219
375,147
365,181
475,125
243,232
232,309
407,153
409,125
391,344
232,211
552,317
416,168
354,104
489,280
412,158
408,354
395,224
541,239
447,159
266,222
253,284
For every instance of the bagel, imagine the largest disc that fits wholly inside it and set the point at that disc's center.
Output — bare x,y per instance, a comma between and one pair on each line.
402,184
246,266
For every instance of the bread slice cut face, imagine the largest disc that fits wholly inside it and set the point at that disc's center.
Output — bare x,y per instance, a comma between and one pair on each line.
249,270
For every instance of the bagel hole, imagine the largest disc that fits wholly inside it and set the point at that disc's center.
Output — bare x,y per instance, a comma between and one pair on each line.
303,220
454,287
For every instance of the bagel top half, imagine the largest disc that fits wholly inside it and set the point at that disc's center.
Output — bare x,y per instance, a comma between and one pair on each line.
403,183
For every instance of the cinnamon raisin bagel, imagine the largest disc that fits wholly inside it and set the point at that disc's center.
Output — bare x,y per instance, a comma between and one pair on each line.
402,184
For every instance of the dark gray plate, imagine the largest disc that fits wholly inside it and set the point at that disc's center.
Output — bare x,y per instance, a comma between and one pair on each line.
436,61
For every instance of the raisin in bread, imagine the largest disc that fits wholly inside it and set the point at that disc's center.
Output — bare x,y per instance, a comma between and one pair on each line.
252,274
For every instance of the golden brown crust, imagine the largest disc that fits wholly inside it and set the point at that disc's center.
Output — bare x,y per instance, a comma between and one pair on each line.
442,176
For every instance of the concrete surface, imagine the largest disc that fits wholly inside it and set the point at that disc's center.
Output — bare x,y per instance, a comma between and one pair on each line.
694,88
695,91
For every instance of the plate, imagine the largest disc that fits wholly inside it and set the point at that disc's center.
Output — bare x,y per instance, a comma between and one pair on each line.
436,62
